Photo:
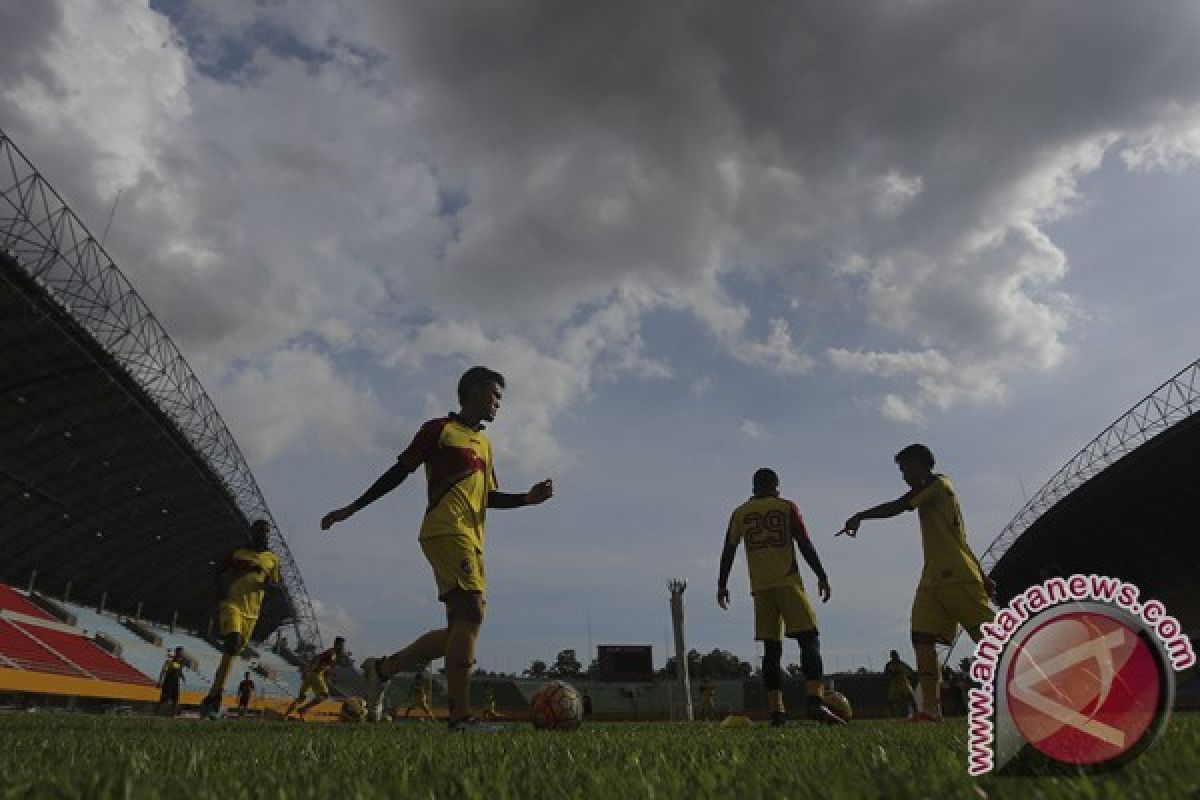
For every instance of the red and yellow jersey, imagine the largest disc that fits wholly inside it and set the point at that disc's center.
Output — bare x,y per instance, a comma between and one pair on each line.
767,525
250,570
459,473
948,559
322,662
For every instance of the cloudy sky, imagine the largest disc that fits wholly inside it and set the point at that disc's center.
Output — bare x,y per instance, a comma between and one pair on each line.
697,237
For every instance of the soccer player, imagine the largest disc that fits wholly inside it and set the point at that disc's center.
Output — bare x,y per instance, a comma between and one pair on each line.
489,704
315,678
772,529
707,694
245,691
246,574
900,690
419,695
462,486
169,680
953,590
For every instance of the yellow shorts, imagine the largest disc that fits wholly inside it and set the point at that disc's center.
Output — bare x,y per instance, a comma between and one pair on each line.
230,619
780,610
315,683
457,564
939,610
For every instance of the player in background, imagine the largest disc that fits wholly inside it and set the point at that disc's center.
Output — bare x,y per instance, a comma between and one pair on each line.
772,529
169,680
707,695
316,678
419,695
245,691
245,575
953,590
899,683
462,486
489,704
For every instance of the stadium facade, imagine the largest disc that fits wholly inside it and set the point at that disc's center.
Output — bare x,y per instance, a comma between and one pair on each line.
120,482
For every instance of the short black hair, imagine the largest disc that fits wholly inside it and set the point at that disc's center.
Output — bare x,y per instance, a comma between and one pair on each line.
341,639
475,376
259,532
916,452
765,479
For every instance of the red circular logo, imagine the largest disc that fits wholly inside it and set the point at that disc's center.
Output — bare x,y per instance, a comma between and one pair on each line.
1084,688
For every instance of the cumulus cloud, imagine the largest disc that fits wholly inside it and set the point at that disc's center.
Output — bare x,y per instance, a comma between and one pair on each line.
927,144
753,430
336,620
296,398
521,183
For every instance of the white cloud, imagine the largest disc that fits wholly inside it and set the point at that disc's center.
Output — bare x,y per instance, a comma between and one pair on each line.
296,399
336,620
753,430
599,165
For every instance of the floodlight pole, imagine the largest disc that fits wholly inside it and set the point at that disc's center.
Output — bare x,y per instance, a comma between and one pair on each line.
677,587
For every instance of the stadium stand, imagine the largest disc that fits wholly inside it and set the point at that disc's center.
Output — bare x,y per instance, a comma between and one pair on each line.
204,657
14,601
19,650
85,655
121,484
32,640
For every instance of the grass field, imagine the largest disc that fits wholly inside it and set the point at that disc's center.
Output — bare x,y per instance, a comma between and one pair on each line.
63,756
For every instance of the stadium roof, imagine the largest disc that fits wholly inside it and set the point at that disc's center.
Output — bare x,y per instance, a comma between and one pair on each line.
1127,505
117,474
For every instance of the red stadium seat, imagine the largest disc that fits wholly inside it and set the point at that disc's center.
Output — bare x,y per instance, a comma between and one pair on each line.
12,600
19,650
43,649
86,655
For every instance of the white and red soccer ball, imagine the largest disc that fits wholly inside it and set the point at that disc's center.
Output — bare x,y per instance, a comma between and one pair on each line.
556,706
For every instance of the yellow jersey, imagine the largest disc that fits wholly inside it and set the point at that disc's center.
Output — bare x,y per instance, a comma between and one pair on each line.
768,526
250,569
460,475
948,559
172,671
898,674
323,662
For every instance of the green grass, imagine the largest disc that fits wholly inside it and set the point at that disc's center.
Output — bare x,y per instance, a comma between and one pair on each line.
47,755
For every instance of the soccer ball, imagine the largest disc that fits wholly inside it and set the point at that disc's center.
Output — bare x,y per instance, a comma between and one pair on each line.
556,707
353,710
838,704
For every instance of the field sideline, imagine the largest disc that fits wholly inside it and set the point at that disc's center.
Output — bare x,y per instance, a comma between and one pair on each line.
51,755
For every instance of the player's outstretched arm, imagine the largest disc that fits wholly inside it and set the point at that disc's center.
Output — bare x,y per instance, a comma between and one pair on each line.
386,482
537,494
881,511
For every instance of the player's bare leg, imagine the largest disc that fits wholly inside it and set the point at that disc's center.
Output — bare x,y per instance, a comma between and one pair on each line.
378,671
212,703
428,647
464,611
814,672
928,676
316,701
295,704
460,657
773,681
